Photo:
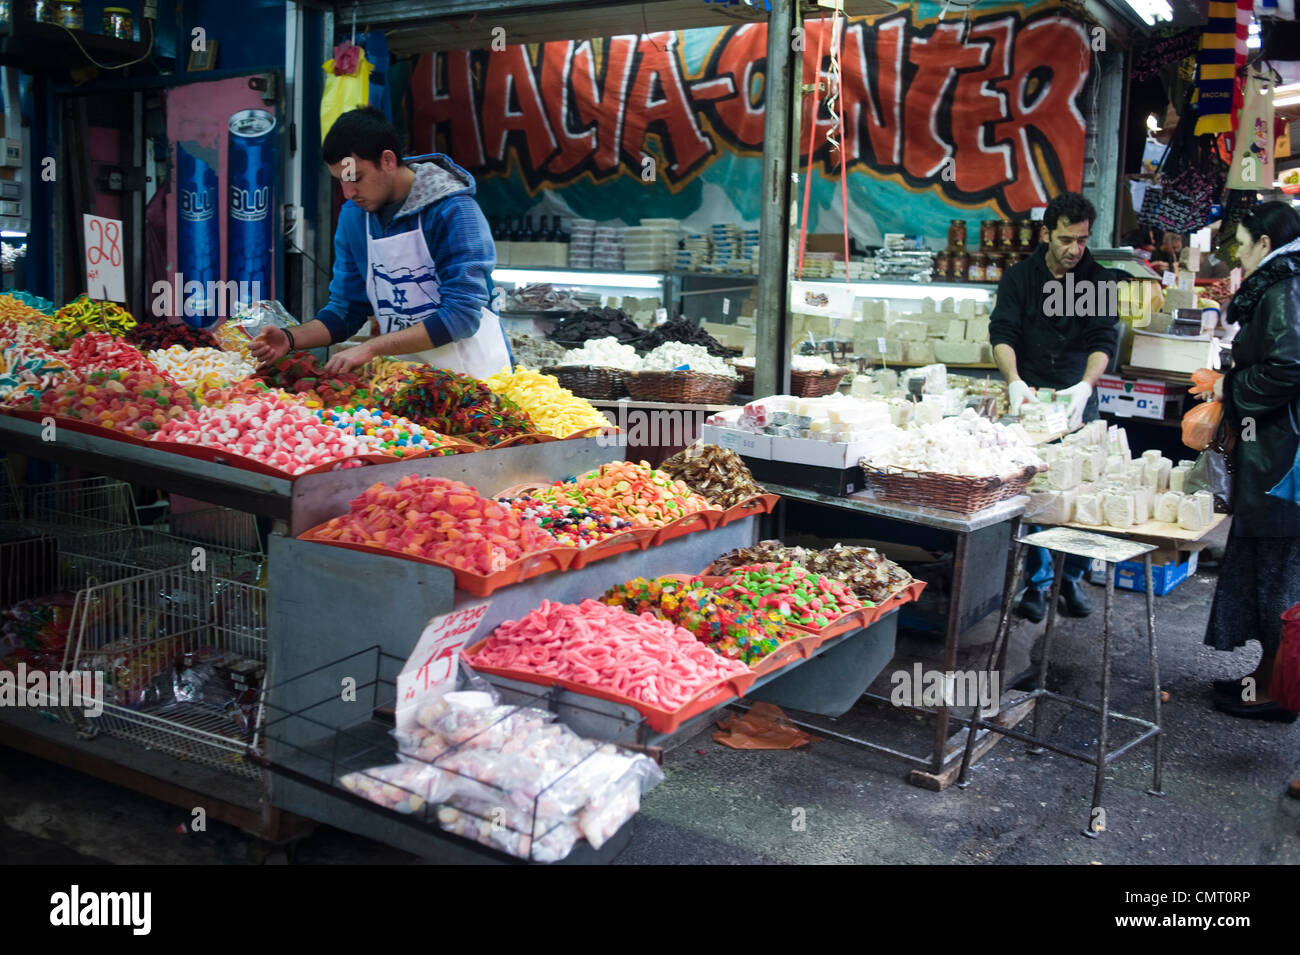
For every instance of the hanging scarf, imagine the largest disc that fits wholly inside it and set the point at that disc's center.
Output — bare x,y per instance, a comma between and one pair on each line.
1222,50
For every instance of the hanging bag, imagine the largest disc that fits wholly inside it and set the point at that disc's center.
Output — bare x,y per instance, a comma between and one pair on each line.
1285,685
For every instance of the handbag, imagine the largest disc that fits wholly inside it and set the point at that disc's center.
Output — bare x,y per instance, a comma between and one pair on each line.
1213,468
1284,688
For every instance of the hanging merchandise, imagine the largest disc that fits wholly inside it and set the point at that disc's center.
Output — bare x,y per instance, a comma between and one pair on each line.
1190,184
347,84
1221,53
1252,160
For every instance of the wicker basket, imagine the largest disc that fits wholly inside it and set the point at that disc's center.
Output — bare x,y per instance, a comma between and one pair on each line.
947,491
746,373
586,381
815,384
681,387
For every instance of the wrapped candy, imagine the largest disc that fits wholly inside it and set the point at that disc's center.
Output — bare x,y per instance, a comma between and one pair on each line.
717,474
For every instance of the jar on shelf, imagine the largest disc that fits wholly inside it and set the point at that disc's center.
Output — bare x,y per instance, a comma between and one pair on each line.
1007,234
68,13
989,234
993,266
943,267
956,234
975,267
118,23
1026,235
42,11
1010,259
960,263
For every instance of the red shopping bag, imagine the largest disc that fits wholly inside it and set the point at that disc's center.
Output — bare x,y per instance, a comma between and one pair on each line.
1285,687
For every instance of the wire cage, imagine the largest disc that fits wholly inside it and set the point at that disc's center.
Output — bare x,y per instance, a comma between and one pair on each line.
152,548
182,655
67,509
314,738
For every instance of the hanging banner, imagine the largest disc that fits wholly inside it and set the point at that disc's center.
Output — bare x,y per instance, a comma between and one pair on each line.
941,117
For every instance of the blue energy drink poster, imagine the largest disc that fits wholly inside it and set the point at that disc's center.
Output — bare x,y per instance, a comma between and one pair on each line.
221,248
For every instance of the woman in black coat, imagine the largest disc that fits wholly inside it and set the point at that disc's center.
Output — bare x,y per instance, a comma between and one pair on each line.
1260,574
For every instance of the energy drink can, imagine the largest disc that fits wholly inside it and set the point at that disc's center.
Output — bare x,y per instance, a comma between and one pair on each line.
198,229
250,221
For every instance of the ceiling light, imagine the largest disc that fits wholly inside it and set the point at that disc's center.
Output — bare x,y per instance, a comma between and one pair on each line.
1151,11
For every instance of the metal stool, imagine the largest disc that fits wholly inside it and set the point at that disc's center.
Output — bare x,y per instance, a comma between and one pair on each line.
1063,542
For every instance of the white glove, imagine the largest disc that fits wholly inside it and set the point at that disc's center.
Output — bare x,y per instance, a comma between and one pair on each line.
1017,394
1079,395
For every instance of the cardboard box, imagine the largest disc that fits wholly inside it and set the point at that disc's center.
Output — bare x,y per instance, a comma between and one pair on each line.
1172,352
1168,570
823,454
745,443
1142,398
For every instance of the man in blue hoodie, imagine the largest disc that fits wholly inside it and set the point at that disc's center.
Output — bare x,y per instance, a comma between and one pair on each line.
411,248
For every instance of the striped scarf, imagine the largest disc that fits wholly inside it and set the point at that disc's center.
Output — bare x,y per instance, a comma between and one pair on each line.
1222,51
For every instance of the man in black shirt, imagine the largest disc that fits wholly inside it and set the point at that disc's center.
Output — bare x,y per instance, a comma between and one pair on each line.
1054,327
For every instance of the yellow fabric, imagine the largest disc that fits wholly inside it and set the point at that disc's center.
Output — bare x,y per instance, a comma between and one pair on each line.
1218,41
1222,9
343,93
1221,71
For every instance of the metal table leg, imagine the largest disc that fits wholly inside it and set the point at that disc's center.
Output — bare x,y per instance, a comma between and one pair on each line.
950,647
1096,819
1058,571
1016,551
1155,789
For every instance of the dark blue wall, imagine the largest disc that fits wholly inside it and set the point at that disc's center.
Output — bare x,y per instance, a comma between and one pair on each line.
249,33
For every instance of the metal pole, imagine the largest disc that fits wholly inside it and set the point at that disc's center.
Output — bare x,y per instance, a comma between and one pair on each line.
780,132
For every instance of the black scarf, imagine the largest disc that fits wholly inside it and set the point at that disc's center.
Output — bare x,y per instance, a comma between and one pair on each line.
1243,304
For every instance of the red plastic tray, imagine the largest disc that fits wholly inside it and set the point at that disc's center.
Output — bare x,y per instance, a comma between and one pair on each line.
705,520
759,504
634,538
663,721
478,585
80,426
906,595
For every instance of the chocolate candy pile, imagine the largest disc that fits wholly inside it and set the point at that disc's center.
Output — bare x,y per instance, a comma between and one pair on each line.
728,626
598,323
871,575
714,473
688,333
570,525
809,600
152,336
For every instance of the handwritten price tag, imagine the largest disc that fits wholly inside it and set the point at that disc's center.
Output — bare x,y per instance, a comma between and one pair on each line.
105,275
430,670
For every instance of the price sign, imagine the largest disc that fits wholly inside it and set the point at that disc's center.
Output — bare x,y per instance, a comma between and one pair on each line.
430,670
1168,279
105,274
880,346
726,306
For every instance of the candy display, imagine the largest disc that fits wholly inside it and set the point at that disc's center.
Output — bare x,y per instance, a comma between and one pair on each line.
229,337
671,355
193,366
396,435
84,314
542,296
716,474
645,496
597,323
301,373
136,402
606,352
553,408
35,632
531,352
608,648
964,445
439,520
511,777
272,429
685,332
455,404
25,373
871,576
728,626
569,525
98,351
809,600
12,302
153,336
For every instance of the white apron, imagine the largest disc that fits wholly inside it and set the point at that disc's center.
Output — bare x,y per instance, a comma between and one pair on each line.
402,285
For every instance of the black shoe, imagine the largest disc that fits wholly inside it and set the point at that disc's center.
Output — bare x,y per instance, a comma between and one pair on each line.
1229,688
1033,605
1076,602
1268,710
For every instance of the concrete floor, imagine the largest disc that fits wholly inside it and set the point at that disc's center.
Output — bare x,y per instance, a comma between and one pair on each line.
1223,777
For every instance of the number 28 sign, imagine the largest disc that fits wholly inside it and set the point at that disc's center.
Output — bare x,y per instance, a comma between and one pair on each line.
105,276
